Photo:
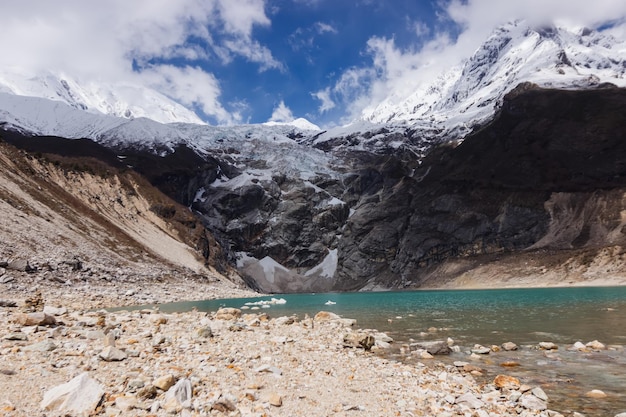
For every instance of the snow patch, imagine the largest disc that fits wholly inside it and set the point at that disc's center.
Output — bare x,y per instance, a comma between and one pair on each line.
327,267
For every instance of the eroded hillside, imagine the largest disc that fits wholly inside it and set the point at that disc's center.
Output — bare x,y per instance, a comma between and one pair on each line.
80,222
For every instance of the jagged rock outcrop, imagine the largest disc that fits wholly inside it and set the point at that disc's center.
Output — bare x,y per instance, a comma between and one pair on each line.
546,173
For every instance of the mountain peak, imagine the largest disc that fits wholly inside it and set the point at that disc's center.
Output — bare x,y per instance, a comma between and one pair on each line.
554,56
119,99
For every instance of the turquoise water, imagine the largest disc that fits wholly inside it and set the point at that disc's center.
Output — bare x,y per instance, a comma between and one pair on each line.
525,316
492,317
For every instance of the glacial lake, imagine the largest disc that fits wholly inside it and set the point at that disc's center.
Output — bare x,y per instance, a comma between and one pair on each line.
489,317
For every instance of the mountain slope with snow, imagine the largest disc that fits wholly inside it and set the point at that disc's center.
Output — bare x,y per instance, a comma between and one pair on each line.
467,94
121,100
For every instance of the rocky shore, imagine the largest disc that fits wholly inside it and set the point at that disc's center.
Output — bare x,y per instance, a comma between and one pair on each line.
58,361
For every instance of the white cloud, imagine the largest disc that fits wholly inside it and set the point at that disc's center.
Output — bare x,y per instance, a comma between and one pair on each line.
191,86
394,73
322,28
117,40
324,97
281,114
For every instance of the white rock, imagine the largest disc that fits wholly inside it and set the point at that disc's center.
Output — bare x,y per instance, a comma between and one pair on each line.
78,397
55,311
470,400
579,346
178,396
112,354
596,345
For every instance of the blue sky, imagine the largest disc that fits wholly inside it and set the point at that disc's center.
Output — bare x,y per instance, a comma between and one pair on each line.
250,61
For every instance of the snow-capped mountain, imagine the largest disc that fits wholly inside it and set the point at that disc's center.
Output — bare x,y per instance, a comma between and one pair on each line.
121,100
549,57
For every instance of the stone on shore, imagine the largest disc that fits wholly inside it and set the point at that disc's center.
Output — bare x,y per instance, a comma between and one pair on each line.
275,400
506,382
548,346
178,396
596,345
55,311
509,346
359,340
481,350
228,313
436,347
35,319
78,397
469,400
112,354
164,382
531,402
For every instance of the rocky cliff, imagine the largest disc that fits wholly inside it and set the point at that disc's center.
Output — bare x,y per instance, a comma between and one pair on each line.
546,174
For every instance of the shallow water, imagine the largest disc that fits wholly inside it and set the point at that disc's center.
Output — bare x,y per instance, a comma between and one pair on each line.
492,317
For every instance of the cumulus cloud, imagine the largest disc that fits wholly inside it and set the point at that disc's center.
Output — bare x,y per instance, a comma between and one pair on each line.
281,114
121,41
395,72
324,97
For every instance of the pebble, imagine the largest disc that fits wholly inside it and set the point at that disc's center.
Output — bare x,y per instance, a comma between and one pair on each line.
506,382
480,350
596,345
275,400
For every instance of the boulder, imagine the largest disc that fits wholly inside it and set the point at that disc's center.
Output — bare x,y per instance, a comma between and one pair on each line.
35,319
78,397
54,311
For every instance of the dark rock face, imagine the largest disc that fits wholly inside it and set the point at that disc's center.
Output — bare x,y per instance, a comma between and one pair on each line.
547,172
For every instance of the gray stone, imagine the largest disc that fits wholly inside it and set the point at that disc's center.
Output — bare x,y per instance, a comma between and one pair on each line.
480,350
16,336
112,354
21,265
203,332
435,347
44,346
7,303
6,279
539,393
78,397
469,400
509,346
531,402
